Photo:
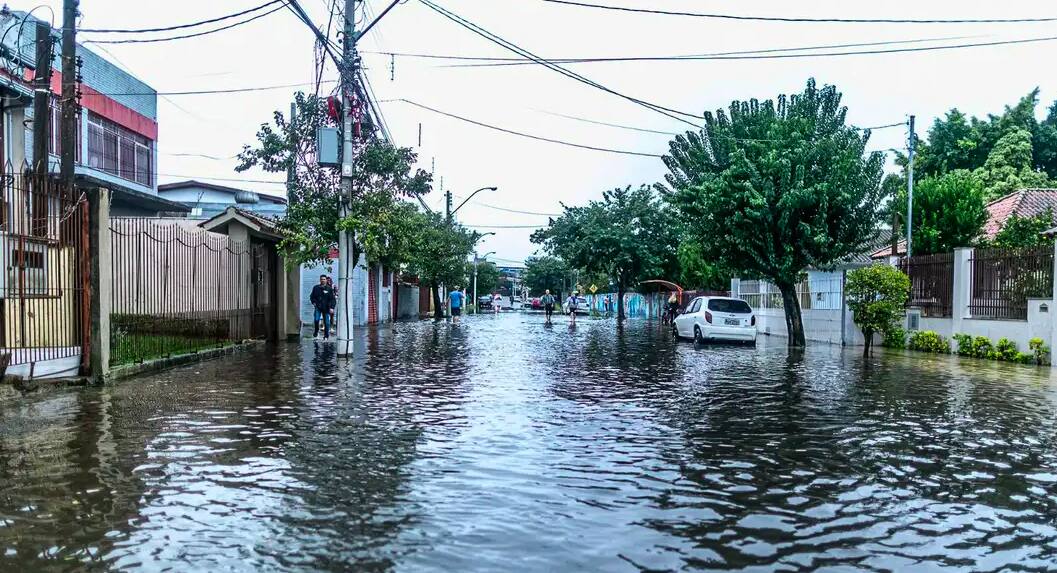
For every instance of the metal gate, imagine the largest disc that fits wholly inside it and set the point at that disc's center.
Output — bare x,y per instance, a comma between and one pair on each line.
44,293
264,319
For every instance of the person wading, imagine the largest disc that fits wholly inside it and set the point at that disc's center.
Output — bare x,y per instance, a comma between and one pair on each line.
455,299
547,300
571,306
323,301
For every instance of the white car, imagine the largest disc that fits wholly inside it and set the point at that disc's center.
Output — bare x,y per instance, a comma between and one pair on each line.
581,306
717,318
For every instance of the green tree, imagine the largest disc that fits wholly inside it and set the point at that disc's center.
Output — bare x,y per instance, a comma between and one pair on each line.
776,187
696,272
628,236
1025,231
487,276
543,273
439,255
949,212
952,144
384,174
876,297
1010,166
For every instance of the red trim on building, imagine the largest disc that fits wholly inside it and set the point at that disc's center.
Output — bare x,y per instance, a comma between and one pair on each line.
103,105
372,294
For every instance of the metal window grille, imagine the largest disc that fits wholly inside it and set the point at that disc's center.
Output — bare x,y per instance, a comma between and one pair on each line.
931,283
1004,279
119,151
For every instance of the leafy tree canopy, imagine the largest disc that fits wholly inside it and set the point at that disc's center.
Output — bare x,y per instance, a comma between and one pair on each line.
543,273
487,277
778,186
628,235
949,211
876,296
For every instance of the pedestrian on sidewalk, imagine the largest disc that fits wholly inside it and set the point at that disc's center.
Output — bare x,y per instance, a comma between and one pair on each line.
323,301
455,299
547,300
571,304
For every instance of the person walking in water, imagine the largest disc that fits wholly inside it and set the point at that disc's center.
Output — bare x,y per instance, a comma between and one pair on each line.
570,306
455,299
323,300
547,300
497,301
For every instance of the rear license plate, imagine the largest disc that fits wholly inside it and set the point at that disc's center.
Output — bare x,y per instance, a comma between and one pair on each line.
732,322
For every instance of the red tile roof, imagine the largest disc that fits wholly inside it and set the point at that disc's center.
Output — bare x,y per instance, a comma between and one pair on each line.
1023,203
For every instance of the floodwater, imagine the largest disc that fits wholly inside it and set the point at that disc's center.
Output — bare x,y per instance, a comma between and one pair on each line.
503,445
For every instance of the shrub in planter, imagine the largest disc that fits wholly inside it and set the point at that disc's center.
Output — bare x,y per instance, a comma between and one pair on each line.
895,338
1006,350
981,347
929,341
965,344
1040,352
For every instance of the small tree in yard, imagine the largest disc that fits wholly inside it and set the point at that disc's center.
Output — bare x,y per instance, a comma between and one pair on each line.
876,296
775,187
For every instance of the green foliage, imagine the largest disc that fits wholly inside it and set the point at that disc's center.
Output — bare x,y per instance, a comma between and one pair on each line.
1005,350
949,211
777,186
696,272
1025,231
629,235
876,296
487,277
440,251
383,175
546,273
965,344
929,341
1010,166
1040,352
895,337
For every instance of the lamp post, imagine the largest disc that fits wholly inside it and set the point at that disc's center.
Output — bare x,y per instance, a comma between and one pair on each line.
477,301
451,214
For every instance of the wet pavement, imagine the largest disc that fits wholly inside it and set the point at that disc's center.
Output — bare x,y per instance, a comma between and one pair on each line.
504,445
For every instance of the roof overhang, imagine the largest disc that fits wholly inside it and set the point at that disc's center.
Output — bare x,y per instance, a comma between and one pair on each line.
258,229
129,196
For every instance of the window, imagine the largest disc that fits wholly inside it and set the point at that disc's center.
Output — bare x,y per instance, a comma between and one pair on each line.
55,132
119,151
729,305
27,272
694,306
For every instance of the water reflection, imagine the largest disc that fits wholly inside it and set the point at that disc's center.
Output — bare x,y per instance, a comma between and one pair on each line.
505,444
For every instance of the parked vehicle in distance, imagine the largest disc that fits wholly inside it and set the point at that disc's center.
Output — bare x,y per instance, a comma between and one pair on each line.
516,303
717,318
484,302
536,303
581,306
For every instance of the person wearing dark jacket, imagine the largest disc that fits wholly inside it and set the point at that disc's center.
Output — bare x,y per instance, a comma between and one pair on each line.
323,300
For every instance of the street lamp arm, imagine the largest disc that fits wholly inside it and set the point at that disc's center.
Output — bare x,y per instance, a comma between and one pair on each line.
456,210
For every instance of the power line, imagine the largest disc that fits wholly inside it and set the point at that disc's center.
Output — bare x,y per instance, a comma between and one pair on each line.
528,135
669,112
804,20
208,92
186,36
517,211
503,226
178,27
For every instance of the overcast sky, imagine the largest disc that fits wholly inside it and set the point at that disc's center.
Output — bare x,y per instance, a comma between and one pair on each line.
537,176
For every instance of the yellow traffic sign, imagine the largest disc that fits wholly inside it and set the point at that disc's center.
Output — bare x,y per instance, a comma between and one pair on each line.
594,289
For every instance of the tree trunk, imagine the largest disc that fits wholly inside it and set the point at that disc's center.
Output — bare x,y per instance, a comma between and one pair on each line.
794,322
869,341
438,310
620,303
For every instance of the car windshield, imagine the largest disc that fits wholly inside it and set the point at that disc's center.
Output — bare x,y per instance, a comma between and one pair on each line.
729,305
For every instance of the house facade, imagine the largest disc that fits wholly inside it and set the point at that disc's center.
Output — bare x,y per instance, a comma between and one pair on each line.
206,200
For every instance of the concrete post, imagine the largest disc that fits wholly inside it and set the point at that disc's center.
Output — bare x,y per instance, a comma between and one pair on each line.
735,288
963,288
101,283
291,315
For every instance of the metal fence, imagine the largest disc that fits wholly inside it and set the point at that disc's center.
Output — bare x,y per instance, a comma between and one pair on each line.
44,296
1004,279
823,291
931,283
179,289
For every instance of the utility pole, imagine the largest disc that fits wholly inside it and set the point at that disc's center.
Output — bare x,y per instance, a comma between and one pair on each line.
447,206
345,241
910,187
42,100
475,282
68,129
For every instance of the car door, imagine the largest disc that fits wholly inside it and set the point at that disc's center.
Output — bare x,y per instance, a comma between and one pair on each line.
684,323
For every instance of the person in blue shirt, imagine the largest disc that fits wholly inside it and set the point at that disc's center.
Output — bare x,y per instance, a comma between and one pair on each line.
455,299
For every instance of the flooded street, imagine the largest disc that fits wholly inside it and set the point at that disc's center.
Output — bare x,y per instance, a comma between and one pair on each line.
500,444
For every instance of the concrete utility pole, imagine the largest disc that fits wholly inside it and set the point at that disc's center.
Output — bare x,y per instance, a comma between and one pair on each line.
70,107
910,187
42,100
345,241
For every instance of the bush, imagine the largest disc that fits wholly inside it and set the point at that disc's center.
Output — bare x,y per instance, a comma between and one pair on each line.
876,296
895,337
965,344
1040,352
1006,350
929,341
982,348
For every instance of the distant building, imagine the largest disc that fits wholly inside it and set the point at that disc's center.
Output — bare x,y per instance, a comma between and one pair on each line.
206,200
118,127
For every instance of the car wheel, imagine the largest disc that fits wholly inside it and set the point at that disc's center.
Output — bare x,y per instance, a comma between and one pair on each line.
698,339
675,331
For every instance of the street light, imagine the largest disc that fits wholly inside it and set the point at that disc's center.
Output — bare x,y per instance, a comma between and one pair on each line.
476,301
456,210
